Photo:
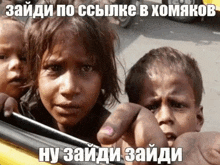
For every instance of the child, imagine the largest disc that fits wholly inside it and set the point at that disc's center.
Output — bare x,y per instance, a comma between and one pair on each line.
13,69
72,67
169,84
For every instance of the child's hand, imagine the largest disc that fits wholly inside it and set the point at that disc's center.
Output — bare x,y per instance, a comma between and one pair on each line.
8,105
199,148
135,125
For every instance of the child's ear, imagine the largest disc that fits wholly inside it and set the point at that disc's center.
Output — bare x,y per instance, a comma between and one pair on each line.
200,118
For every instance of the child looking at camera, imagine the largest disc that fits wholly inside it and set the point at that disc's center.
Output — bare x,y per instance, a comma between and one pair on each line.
169,84
73,75
13,69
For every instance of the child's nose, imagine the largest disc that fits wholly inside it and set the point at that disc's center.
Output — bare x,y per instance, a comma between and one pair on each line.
165,115
14,63
70,84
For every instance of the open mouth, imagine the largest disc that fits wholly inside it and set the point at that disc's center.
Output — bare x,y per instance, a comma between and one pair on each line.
170,138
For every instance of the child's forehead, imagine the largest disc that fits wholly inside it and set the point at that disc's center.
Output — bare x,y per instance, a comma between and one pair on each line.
166,73
157,68
69,39
65,36
66,40
67,50
170,81
165,90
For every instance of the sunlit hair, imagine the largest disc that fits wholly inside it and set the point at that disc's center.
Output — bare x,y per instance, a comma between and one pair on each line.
168,58
97,38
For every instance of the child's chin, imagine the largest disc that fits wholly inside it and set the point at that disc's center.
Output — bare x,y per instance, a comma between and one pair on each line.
170,143
16,94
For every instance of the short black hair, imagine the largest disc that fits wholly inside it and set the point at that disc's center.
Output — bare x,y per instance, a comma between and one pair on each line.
167,57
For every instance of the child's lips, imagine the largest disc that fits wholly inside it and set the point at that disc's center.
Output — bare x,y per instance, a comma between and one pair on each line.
171,137
68,109
17,81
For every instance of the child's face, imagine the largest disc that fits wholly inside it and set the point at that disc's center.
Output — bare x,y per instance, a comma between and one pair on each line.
169,95
13,69
68,83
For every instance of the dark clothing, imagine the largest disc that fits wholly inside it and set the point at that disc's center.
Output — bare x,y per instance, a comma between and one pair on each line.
86,129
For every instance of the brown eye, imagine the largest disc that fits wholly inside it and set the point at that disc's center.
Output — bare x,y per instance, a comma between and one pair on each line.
87,68
175,104
153,107
23,58
3,56
55,68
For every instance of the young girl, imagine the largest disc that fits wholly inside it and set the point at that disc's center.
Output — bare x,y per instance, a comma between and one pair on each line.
13,69
72,73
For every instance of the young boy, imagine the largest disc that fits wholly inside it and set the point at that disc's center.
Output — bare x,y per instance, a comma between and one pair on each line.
169,84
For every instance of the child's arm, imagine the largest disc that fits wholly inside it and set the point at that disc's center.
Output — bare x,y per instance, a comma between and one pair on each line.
8,104
199,148
135,124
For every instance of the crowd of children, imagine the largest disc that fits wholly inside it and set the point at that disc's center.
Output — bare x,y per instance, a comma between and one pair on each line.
73,75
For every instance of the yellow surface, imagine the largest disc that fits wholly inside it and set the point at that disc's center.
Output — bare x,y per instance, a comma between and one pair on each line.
207,1
13,155
214,2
